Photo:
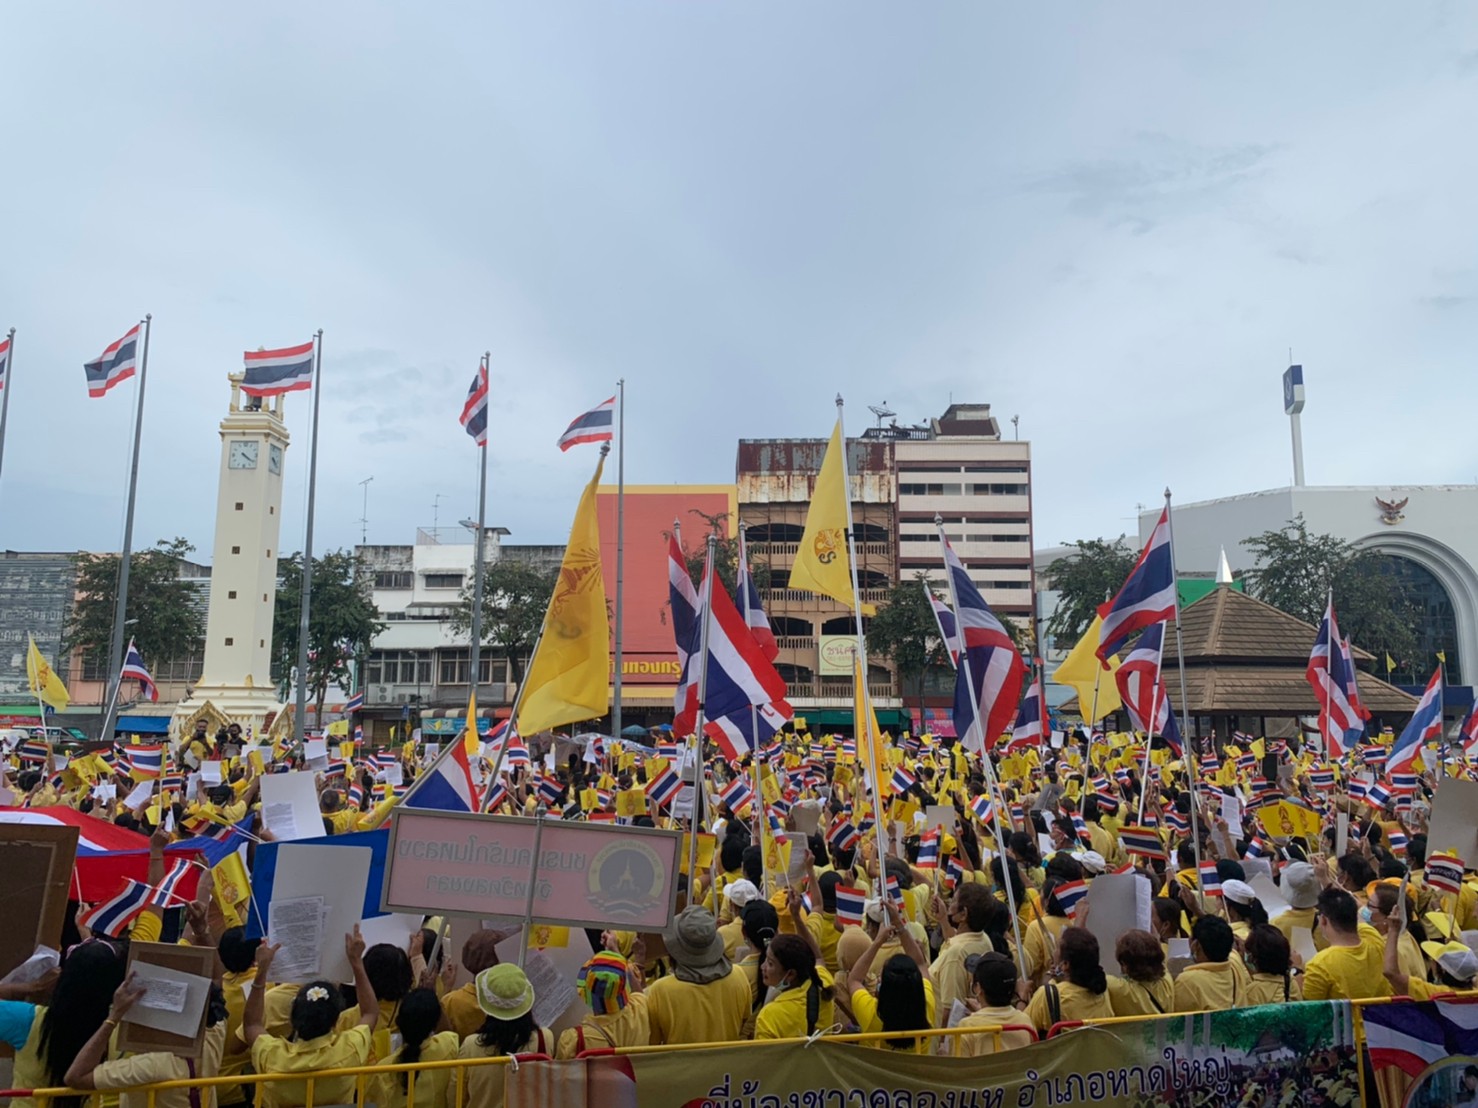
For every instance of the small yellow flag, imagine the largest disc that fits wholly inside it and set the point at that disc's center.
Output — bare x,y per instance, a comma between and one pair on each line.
1390,664
45,684
821,564
1442,656
1083,672
567,679
472,742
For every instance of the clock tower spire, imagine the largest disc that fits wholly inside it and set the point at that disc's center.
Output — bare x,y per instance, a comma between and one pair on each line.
237,679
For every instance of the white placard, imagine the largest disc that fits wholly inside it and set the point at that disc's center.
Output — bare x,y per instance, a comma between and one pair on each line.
1113,900
394,929
336,874
37,966
210,772
139,798
1303,943
393,774
1269,896
940,815
105,791
552,974
1231,811
432,750
314,749
290,806
1341,833
178,999
295,926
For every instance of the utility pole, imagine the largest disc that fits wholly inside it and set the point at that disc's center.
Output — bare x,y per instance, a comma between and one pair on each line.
364,519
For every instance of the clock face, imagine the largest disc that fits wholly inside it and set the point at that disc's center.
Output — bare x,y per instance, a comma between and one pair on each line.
243,455
274,458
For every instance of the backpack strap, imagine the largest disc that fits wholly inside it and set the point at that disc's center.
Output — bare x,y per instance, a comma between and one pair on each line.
1054,1003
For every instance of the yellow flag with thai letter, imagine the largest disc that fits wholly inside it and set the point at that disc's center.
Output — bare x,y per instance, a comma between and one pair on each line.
567,679
46,686
472,742
821,564
1083,672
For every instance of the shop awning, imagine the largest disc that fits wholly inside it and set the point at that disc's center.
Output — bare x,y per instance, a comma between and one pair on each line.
143,725
892,718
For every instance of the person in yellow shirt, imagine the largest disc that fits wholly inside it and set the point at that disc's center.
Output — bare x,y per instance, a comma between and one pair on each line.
705,999
238,956
1079,989
419,1016
964,922
823,924
617,1016
1216,981
1142,987
1378,912
802,1003
1455,966
507,1001
460,1005
994,985
905,997
315,1044
1350,967
1268,959
1300,885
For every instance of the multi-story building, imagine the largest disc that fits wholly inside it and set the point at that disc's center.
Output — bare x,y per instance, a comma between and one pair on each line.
956,467
417,667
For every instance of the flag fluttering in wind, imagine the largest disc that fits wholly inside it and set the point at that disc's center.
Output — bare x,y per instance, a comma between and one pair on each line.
134,670
1329,676
596,425
114,365
1425,724
1147,595
274,372
995,668
822,564
45,685
1098,693
475,410
567,680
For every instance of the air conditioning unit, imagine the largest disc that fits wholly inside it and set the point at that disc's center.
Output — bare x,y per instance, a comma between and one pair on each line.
382,694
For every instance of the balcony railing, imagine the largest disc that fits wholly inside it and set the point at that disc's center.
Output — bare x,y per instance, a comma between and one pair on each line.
842,689
870,596
796,642
790,549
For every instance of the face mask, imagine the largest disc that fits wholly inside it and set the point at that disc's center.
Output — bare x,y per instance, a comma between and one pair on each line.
1365,915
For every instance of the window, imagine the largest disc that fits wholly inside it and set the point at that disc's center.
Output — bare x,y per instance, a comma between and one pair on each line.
397,667
184,669
454,663
394,579
930,489
996,490
443,580
95,667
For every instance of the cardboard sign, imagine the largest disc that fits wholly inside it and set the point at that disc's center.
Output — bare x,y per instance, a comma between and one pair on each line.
37,861
589,874
168,963
1454,823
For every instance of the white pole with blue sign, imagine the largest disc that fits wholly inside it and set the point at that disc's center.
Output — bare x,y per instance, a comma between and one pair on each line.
1293,404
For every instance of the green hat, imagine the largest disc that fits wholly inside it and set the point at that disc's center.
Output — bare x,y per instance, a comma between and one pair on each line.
504,992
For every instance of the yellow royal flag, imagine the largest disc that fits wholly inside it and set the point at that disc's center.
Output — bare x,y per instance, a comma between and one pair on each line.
567,679
471,742
1283,819
1083,672
46,686
869,734
821,564
1390,664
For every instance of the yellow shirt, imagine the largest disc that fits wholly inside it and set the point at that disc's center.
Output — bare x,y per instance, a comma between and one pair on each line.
146,1069
1267,988
1039,951
485,1084
1418,989
1211,986
462,1012
1139,998
973,1046
336,1050
681,1012
951,980
823,928
235,1055
386,1090
1348,972
785,1016
1294,917
1076,1003
865,1010
628,1027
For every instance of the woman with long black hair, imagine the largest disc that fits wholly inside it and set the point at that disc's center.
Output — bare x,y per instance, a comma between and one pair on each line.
905,1000
1079,987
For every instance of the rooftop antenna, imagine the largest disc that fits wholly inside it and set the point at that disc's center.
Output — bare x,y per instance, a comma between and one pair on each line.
364,519
436,510
882,411
1016,427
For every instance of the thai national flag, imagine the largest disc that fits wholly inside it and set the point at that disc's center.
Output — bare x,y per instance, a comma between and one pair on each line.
663,789
163,894
145,763
518,752
954,872
34,752
1402,782
995,668
1356,788
1468,733
1143,691
474,416
1321,778
354,704
1397,841
842,834
944,620
172,782
1069,895
1210,882
742,688
1030,722
496,798
1257,848
336,767
683,602
983,807
355,795
4,360
1377,797
928,857
596,425
112,917
1425,725
749,604
851,906
1444,872
901,781
133,670
1141,841
1415,1037
549,790
737,793
668,750
1374,755
274,372
1147,596
1081,827
447,786
892,891
114,365
1339,722
1177,822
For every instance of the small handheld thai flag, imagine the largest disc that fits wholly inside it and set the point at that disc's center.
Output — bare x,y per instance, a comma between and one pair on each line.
1357,787
1374,755
1377,797
145,763
893,892
172,782
954,872
842,835
1321,778
1403,782
1081,828
851,906
1257,848
1397,841
662,790
549,790
902,781
34,752
668,750
1177,823
337,767
1070,894
737,794
356,795
518,753
496,798
1444,873
928,850
1141,841
113,916
983,808
162,894
849,748
1210,882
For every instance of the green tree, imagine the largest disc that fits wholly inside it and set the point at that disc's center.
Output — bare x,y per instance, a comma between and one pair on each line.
166,622
725,553
904,632
342,620
1083,580
515,596
1297,568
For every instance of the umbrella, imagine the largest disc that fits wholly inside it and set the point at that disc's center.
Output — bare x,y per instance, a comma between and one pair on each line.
633,732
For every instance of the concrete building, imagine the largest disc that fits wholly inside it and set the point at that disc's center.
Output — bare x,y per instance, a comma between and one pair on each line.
1427,535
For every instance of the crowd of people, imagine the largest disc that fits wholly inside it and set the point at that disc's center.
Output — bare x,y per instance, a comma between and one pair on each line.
937,890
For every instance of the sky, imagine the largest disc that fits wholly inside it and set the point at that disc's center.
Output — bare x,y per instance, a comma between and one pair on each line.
1111,220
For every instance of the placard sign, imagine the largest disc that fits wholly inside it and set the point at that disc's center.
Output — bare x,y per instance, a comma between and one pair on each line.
589,874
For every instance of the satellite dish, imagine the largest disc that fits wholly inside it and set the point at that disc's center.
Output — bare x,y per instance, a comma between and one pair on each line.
882,411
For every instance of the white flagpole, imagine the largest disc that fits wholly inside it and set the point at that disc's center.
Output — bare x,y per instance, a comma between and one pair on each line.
6,382
1185,720
120,611
706,599
620,549
300,709
1149,735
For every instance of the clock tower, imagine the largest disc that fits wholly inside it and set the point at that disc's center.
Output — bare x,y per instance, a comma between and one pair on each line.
237,680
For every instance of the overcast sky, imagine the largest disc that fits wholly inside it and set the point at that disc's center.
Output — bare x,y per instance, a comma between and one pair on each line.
1113,220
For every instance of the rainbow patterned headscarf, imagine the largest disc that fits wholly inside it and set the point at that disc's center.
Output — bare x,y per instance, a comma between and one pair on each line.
602,983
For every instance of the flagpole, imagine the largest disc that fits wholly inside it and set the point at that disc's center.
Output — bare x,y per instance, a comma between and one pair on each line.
992,781
757,804
1149,737
305,597
706,602
475,654
1185,719
6,382
620,547
860,671
115,645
